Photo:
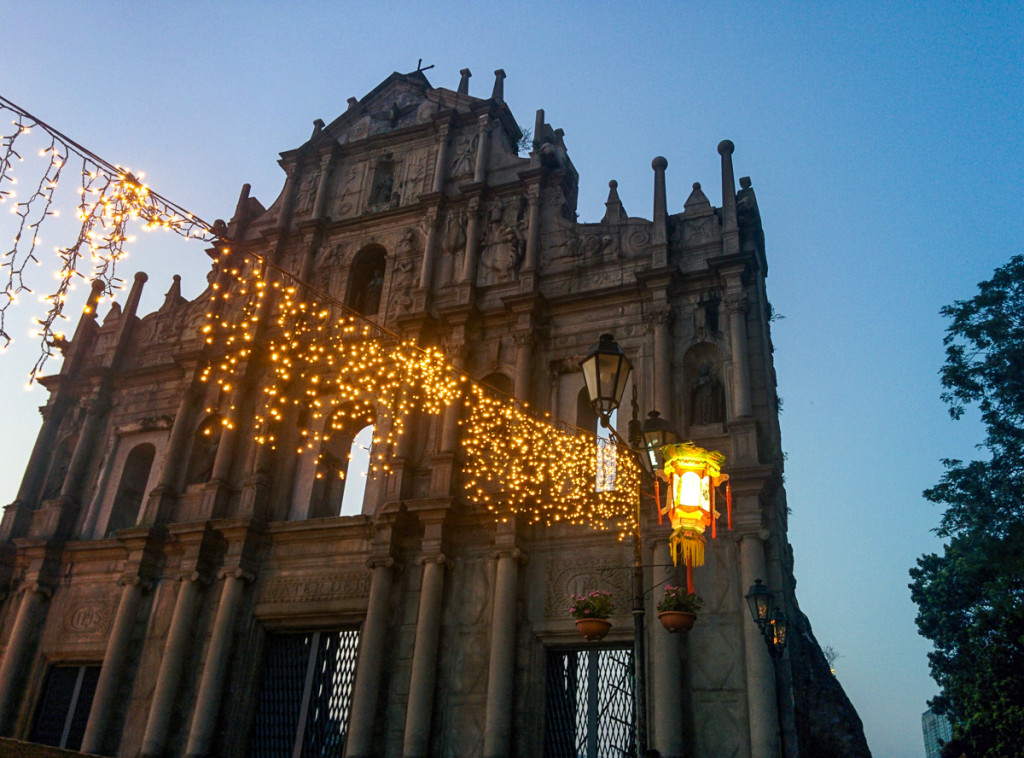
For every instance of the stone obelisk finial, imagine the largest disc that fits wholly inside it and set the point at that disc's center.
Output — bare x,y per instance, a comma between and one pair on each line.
464,81
498,93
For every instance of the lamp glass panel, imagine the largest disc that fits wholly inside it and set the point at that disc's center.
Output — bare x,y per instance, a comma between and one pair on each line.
688,491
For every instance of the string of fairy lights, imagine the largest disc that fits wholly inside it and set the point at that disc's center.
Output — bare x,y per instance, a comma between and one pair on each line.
110,197
330,371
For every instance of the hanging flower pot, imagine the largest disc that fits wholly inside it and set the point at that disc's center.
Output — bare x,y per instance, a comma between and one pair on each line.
677,621
591,612
593,629
678,609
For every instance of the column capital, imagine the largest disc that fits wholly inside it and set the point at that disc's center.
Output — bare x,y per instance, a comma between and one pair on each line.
134,580
439,558
514,553
736,302
383,561
238,573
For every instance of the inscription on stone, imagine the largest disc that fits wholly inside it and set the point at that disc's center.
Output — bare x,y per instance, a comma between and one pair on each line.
88,616
566,578
329,586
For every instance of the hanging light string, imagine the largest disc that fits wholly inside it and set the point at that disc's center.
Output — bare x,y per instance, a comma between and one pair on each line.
331,370
110,197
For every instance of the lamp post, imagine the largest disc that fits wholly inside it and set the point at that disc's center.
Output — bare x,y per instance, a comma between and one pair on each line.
606,370
774,626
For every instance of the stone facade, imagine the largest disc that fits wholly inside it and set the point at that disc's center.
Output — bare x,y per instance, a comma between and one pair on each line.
163,565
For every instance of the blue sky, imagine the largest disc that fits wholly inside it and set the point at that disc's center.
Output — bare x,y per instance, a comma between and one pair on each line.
883,141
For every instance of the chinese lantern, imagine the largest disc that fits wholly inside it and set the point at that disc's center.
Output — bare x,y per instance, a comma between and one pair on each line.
692,473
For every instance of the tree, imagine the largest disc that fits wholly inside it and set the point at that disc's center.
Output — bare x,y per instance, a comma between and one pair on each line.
971,598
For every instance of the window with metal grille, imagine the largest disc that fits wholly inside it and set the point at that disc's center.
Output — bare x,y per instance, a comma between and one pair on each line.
64,707
590,708
305,695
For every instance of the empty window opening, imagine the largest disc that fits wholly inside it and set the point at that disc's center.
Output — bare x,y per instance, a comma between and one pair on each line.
131,490
64,706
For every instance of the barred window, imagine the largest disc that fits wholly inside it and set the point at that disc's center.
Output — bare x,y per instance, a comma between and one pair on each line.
590,708
305,695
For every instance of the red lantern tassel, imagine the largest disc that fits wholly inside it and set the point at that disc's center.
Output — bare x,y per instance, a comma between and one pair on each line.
714,515
728,502
689,578
657,498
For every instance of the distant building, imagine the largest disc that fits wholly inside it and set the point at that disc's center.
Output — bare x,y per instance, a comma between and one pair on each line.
937,732
172,588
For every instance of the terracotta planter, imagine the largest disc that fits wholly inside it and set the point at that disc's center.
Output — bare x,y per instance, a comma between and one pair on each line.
677,621
593,629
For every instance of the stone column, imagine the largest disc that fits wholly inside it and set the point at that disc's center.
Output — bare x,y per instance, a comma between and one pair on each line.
97,409
161,499
501,669
113,664
524,364
480,169
472,241
730,228
179,641
666,666
736,304
363,715
533,234
211,687
429,250
19,649
322,185
424,660
663,366
760,677
659,229
441,167
450,429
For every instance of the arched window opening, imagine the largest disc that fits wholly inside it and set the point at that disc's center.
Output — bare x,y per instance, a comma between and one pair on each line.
131,490
344,467
204,450
586,418
366,281
500,383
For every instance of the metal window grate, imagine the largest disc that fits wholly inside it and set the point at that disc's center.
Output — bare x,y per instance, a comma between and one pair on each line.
305,695
590,706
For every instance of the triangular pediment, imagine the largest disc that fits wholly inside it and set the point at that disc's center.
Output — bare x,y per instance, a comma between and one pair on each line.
398,102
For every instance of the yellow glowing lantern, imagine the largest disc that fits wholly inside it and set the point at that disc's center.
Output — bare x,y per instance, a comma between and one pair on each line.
692,474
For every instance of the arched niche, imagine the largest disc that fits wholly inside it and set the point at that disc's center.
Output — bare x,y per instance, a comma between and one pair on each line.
131,488
366,280
706,401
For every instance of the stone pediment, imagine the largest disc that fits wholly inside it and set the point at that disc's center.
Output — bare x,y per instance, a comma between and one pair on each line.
398,102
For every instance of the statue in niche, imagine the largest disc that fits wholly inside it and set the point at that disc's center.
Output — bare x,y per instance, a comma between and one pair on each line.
382,190
707,399
465,152
503,254
345,203
367,300
454,242
307,191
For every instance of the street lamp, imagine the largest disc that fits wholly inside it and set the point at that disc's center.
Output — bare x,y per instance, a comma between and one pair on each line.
774,626
605,371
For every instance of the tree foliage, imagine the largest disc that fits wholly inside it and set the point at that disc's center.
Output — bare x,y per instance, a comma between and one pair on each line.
971,597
